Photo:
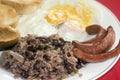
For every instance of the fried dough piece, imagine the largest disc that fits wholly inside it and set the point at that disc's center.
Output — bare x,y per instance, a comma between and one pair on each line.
8,16
23,6
8,37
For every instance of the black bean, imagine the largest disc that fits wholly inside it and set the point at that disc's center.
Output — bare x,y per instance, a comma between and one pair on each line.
31,48
24,74
61,39
43,77
40,46
54,42
69,67
78,66
84,62
81,61
42,39
28,53
31,57
68,54
31,41
35,66
46,57
54,69
7,65
47,47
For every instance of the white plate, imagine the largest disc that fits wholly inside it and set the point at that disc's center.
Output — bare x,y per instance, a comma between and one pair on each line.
91,71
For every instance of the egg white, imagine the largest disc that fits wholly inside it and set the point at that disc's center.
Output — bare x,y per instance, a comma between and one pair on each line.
36,23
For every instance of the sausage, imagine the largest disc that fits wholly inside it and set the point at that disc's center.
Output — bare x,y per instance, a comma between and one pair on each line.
95,29
96,57
100,46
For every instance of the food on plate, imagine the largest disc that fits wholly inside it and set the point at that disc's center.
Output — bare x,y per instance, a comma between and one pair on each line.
37,57
61,13
8,16
57,15
64,12
100,46
70,30
23,6
45,58
8,37
95,29
97,57
80,14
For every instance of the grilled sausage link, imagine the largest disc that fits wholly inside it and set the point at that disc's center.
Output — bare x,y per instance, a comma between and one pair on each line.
96,57
95,29
100,46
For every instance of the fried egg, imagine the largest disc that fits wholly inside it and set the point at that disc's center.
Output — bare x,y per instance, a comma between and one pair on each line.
75,16
61,13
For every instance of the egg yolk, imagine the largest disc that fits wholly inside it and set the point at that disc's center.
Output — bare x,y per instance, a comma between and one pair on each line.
61,13
56,17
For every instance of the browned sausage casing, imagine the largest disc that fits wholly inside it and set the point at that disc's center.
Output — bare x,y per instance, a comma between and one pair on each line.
100,46
96,57
95,29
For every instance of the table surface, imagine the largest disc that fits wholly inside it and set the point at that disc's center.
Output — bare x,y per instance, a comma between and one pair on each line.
114,6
